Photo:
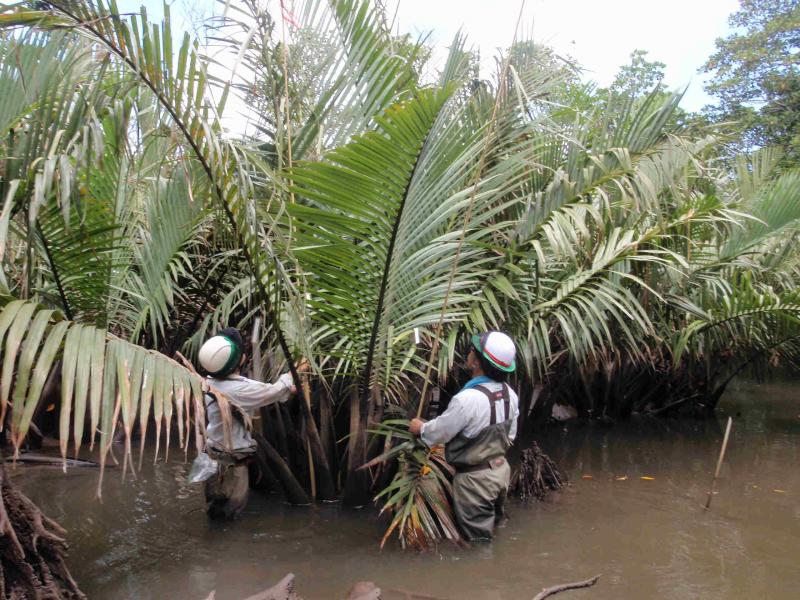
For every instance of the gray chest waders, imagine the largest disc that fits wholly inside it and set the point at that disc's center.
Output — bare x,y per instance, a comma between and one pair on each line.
482,473
226,492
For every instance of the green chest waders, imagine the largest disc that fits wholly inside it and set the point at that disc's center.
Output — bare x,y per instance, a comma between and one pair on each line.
482,472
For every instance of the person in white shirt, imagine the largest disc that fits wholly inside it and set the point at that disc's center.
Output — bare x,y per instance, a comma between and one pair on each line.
222,357
477,428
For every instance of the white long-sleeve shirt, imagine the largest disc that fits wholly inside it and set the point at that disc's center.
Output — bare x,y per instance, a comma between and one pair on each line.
247,394
469,413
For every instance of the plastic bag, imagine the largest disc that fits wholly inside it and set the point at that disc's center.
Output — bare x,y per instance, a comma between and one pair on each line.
203,468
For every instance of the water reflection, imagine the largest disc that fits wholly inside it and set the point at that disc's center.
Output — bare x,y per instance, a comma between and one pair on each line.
649,538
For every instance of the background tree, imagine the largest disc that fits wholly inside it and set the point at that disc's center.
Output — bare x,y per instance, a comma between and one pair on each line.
756,77
639,77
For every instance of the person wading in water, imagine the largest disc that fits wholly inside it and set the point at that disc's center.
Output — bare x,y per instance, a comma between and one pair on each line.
222,357
477,429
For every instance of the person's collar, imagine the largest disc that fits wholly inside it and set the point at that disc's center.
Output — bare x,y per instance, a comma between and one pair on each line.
480,379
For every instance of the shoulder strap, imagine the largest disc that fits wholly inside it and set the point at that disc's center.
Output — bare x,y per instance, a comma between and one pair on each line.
236,412
493,397
506,402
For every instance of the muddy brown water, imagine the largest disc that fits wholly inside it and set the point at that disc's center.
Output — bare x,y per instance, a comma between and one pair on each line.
651,538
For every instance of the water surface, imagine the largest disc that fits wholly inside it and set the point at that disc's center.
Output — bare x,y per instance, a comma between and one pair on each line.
149,538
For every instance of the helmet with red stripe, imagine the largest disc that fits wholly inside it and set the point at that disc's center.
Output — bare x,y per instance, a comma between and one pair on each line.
498,348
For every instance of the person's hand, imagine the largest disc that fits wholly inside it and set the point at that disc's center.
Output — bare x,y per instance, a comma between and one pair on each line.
303,367
292,390
415,427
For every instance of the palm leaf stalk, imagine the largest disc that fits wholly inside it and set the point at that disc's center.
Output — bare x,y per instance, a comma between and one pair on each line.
375,176
490,130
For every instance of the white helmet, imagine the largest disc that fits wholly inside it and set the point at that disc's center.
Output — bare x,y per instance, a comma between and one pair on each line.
498,348
219,356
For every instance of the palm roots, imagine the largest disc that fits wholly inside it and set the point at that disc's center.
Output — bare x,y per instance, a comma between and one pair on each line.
536,474
31,550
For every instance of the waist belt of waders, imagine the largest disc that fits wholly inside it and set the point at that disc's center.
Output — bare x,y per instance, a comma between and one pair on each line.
493,463
492,397
227,458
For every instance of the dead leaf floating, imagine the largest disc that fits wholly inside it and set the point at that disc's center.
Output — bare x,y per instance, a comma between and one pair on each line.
621,478
586,477
647,478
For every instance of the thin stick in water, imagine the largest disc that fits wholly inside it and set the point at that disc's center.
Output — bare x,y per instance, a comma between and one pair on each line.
719,462
566,586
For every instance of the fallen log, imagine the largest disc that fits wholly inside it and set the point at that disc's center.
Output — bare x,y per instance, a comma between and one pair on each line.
48,460
566,586
283,590
367,590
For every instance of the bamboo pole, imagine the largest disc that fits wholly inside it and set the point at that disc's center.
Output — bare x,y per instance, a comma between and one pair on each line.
719,462
467,219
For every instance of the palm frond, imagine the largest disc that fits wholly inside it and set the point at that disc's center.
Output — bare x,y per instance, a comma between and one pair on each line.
362,221
179,81
103,378
741,317
420,496
772,210
162,263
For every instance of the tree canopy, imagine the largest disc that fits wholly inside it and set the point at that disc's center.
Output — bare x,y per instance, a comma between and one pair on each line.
756,75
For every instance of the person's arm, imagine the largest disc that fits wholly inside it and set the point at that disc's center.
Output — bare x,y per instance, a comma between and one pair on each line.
446,426
514,410
250,394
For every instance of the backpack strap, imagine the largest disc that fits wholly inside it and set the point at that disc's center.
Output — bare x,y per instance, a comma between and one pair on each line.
506,402
210,398
493,397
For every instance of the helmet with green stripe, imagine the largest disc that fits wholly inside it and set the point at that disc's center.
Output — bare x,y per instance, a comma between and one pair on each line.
220,355
497,348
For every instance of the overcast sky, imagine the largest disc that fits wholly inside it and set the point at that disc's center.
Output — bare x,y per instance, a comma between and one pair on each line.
599,34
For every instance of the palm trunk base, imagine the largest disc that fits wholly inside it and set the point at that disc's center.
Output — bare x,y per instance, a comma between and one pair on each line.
32,550
357,489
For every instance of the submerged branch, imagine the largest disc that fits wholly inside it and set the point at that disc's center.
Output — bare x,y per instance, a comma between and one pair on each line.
566,586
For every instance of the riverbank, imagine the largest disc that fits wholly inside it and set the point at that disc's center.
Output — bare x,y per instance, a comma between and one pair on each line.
650,538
